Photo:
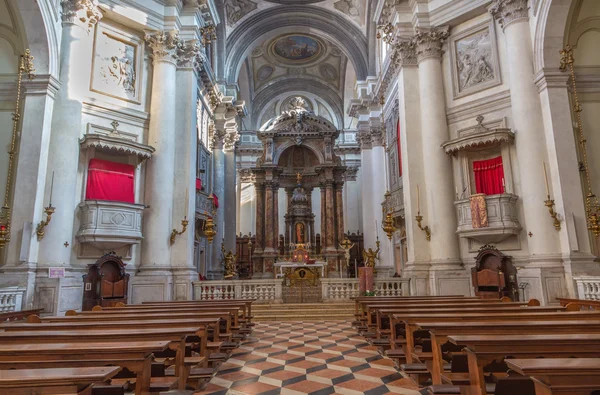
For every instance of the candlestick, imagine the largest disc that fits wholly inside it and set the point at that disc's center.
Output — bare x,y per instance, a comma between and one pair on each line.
187,202
51,189
418,200
503,186
546,180
377,229
456,192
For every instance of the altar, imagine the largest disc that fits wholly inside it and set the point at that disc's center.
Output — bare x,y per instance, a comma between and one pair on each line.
294,265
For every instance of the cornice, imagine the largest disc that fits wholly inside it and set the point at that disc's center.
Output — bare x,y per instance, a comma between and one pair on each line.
484,105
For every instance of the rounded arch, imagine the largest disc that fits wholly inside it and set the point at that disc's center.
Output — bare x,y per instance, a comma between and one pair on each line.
344,33
39,24
550,31
308,144
319,89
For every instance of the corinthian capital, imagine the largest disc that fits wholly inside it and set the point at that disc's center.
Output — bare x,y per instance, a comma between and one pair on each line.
508,11
230,140
83,12
165,46
187,54
364,139
405,53
428,44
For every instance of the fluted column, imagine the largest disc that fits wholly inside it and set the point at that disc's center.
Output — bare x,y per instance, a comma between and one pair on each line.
160,171
78,20
438,192
528,122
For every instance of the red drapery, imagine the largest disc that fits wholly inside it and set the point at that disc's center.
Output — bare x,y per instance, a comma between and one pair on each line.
489,176
399,149
215,201
198,184
110,181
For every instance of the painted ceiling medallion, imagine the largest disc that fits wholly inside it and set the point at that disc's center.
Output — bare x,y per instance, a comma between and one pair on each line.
296,48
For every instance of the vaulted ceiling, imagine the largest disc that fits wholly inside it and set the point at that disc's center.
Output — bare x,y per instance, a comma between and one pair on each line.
279,49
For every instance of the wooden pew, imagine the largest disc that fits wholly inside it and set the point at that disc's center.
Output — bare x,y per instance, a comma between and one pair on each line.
134,356
360,299
587,304
54,381
483,349
554,376
175,336
246,303
19,315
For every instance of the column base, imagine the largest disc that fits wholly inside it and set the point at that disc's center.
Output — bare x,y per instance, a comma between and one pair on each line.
183,279
151,285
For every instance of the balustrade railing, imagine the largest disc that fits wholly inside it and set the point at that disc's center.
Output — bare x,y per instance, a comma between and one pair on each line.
270,290
11,299
588,287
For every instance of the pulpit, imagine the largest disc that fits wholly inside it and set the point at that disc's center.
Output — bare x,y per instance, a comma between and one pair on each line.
494,275
106,283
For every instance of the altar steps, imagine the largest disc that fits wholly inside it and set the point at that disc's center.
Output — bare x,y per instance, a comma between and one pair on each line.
303,312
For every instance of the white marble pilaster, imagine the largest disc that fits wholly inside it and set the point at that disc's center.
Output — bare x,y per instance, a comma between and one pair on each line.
214,267
528,125
437,193
366,171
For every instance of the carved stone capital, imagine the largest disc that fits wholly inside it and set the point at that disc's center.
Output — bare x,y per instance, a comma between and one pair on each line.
428,44
188,53
217,139
364,139
165,46
377,137
406,54
508,11
230,140
351,172
83,12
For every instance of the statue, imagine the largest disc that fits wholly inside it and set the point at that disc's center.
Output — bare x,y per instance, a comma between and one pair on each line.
299,178
347,245
299,233
229,259
370,256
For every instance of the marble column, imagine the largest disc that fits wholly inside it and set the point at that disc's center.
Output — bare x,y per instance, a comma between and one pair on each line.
229,196
323,219
366,157
78,20
186,145
160,171
339,210
214,267
238,204
269,251
437,194
276,217
260,229
529,125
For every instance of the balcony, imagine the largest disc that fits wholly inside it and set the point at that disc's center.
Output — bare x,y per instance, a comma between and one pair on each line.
109,225
502,219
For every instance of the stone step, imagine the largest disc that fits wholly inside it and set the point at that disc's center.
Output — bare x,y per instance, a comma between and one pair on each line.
303,312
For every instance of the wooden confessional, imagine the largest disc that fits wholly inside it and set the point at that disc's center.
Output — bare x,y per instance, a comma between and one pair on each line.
494,275
106,283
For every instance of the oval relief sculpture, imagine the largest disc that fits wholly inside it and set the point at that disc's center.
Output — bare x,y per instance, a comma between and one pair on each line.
264,72
296,48
328,72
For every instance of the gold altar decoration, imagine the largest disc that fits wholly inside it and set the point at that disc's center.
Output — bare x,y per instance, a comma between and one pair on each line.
303,275
388,225
40,230
369,256
229,259
479,217
210,229
419,217
550,202
25,67
592,206
175,232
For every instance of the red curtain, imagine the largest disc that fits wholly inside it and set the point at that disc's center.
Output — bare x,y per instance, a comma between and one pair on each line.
489,176
198,184
110,181
399,149
215,201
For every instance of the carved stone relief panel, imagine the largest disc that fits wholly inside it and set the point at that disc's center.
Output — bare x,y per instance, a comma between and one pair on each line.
474,59
237,9
355,9
117,63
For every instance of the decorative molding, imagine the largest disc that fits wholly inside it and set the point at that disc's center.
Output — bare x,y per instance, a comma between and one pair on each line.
405,53
165,46
230,141
189,55
377,137
509,11
496,102
351,173
428,43
364,139
83,12
117,143
479,136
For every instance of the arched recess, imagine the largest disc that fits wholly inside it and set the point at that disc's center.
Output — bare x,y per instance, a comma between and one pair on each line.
308,145
298,84
268,23
550,32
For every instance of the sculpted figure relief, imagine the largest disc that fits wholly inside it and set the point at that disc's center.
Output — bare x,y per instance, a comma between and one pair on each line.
474,60
237,9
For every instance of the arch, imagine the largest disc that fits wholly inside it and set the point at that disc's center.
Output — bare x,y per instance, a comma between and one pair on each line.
550,31
267,95
308,144
261,25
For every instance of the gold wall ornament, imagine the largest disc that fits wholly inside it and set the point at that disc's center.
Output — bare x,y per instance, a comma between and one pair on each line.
592,205
41,228
25,67
369,256
210,230
229,261
388,225
419,219
175,232
550,202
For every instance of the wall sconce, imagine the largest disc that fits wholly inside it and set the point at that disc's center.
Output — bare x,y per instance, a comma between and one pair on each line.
550,202
40,230
425,229
175,232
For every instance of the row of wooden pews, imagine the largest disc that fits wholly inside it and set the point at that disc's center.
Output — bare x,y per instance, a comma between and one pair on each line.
144,348
467,345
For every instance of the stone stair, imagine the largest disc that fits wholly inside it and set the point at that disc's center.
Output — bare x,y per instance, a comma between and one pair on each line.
303,312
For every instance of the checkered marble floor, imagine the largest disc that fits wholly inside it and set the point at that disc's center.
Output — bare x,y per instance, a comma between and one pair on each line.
316,358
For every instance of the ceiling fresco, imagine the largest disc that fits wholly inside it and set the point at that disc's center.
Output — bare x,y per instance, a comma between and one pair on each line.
296,48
